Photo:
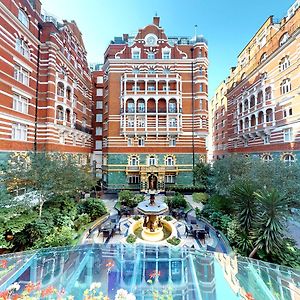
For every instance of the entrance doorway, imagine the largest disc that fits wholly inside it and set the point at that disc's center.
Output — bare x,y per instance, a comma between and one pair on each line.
152,182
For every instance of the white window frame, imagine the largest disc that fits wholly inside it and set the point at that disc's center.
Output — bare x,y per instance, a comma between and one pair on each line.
150,55
172,122
152,161
99,104
19,132
23,18
172,142
99,117
98,131
170,161
169,178
22,48
21,74
20,103
288,135
141,142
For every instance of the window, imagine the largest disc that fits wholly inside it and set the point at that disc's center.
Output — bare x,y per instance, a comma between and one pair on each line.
151,87
201,87
99,105
98,130
172,142
134,179
61,138
268,93
21,74
267,139
283,39
151,71
285,86
130,122
135,71
99,92
135,54
166,71
245,143
140,122
134,161
84,108
19,132
23,18
288,135
170,161
130,142
98,145
141,141
284,63
99,79
267,157
98,117
83,123
151,55
166,54
288,158
60,113
74,102
170,179
173,122
20,103
22,47
200,71
151,161
172,107
287,112
263,57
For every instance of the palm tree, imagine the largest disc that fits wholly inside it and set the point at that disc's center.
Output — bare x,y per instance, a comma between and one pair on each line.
270,224
245,204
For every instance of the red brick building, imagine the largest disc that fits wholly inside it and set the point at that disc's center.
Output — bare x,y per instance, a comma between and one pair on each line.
45,85
155,111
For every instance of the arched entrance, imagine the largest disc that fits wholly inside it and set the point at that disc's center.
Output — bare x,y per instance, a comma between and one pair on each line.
152,182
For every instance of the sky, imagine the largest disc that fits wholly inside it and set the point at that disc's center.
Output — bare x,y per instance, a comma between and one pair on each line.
227,25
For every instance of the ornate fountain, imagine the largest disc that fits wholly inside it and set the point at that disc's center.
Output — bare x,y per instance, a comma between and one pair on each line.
153,225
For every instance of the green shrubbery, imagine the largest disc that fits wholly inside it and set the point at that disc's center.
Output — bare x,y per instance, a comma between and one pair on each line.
131,239
176,201
129,199
168,218
200,197
174,241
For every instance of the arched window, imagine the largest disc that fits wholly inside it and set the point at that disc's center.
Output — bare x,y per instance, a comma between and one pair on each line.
268,93
59,113
166,71
134,160
260,97
60,89
252,101
135,70
285,86
22,47
263,57
284,39
288,158
243,76
151,71
284,63
170,161
269,115
152,160
23,18
267,157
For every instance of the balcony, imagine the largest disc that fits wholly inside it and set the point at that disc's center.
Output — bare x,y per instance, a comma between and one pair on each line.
83,129
132,169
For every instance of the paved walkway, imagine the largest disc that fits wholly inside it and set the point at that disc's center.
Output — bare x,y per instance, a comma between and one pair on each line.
189,199
294,231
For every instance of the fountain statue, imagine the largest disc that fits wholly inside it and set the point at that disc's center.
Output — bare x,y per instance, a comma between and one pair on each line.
152,226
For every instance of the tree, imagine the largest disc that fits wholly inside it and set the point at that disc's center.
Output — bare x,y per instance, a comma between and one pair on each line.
95,208
270,224
245,204
202,174
48,174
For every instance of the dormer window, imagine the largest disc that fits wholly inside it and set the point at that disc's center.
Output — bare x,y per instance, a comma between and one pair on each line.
135,54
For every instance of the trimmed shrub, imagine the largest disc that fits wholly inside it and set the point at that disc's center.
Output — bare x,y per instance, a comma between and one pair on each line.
95,208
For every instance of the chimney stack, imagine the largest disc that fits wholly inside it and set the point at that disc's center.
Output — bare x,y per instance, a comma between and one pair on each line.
156,21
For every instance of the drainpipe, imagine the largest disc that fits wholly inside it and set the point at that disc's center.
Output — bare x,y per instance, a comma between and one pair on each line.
37,87
193,112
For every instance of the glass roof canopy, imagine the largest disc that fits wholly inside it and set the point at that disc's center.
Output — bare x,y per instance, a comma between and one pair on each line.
146,271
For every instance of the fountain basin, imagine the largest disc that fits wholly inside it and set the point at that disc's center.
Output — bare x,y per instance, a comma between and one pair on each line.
153,236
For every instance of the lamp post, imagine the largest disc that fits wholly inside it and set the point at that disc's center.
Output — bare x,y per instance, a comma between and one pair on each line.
193,112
